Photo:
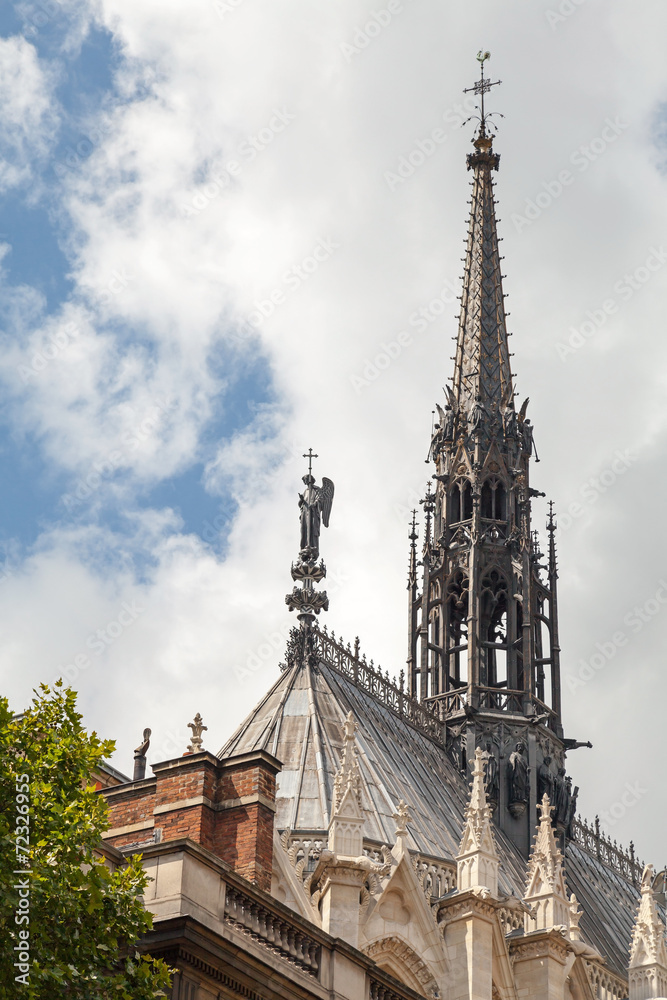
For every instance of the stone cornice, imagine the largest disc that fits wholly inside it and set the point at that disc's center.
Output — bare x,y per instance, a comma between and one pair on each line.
464,905
540,944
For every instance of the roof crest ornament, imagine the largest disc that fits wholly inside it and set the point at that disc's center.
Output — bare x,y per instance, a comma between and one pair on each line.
315,510
197,727
482,87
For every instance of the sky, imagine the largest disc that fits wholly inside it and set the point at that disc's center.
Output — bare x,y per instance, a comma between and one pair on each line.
216,220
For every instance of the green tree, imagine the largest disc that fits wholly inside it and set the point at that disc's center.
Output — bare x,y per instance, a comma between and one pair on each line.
61,907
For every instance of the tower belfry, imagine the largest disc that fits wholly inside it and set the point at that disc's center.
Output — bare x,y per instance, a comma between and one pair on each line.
483,635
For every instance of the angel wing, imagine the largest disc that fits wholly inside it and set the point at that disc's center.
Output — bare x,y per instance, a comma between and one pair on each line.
522,414
441,414
326,499
451,398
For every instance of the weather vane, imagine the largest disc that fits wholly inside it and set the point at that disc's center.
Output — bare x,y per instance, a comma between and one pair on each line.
482,87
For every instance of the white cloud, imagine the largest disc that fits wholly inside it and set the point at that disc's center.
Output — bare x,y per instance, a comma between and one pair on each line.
28,113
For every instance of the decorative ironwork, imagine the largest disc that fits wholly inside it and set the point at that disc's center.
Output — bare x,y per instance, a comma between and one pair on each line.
366,677
624,862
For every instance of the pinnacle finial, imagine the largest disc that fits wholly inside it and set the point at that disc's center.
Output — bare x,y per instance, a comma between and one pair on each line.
477,860
348,777
546,891
315,509
197,727
402,817
648,949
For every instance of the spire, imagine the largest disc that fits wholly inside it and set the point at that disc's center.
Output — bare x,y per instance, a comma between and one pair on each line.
483,646
315,507
482,375
413,608
648,951
477,860
553,587
346,830
546,893
412,565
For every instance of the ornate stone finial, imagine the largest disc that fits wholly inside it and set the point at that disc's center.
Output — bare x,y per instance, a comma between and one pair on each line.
140,757
477,860
348,777
197,728
315,506
347,818
402,817
648,951
575,917
546,892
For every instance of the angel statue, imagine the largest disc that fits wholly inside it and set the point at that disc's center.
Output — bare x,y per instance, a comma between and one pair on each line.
315,506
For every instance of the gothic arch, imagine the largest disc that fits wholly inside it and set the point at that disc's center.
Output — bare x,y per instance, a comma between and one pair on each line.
398,959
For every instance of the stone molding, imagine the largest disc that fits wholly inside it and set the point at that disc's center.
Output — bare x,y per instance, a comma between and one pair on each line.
406,956
542,944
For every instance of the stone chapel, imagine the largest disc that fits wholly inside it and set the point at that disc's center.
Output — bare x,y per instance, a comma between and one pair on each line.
364,838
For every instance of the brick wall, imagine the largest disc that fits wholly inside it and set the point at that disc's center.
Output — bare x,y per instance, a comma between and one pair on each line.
226,806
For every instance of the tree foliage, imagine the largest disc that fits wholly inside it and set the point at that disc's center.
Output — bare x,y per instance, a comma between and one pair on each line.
82,919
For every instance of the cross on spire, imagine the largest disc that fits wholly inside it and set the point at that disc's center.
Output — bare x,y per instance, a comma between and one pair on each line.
310,455
482,87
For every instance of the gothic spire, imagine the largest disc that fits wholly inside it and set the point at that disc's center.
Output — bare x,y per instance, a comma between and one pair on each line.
546,893
648,951
482,375
483,646
477,860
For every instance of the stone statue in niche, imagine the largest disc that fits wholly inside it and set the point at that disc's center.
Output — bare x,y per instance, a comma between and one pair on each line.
517,770
545,780
491,778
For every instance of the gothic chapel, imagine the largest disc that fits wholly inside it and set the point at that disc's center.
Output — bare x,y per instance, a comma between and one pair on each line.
369,839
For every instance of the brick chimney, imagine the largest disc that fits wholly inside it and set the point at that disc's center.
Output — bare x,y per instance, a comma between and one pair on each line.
225,805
